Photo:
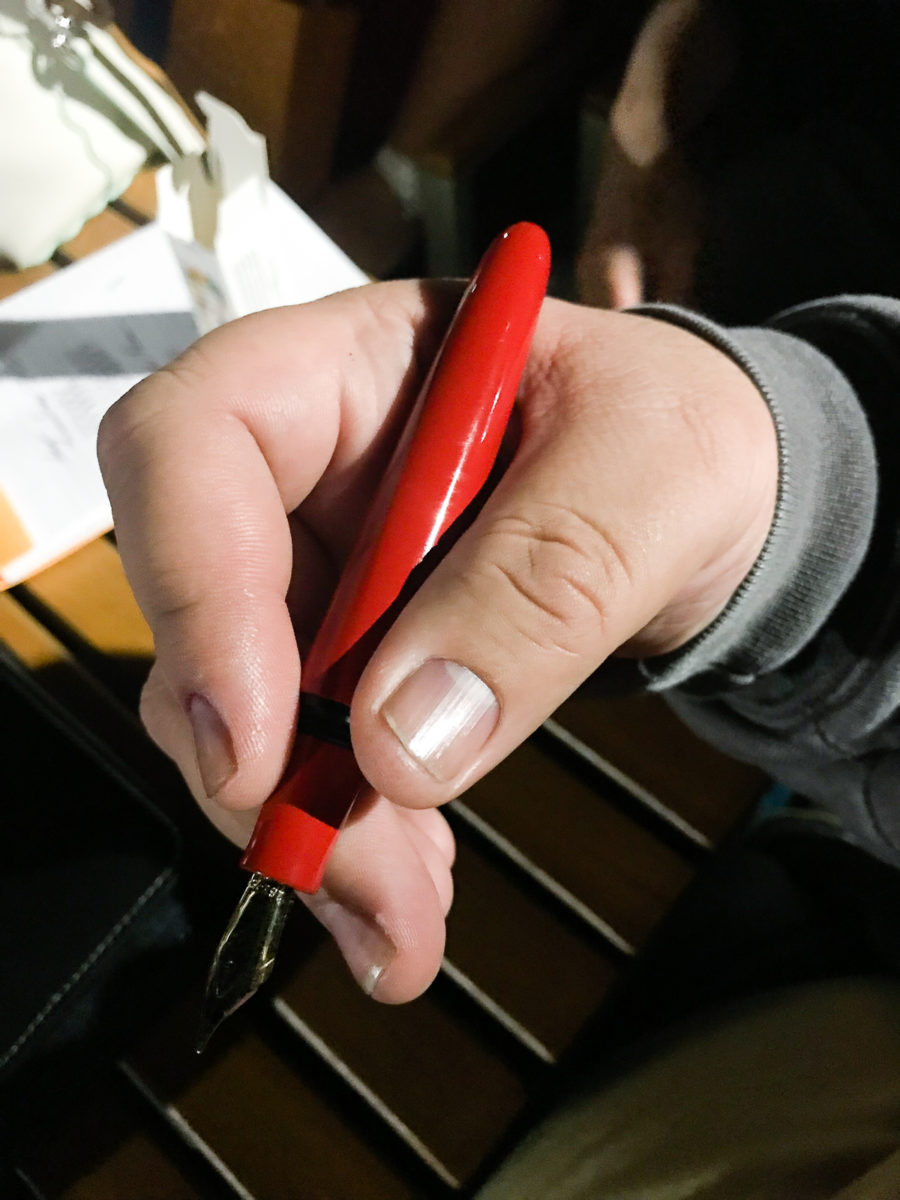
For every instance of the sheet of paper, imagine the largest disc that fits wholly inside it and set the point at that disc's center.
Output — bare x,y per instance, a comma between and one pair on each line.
268,252
69,347
283,258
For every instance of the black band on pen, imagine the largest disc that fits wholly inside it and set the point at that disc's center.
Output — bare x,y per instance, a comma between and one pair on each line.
327,720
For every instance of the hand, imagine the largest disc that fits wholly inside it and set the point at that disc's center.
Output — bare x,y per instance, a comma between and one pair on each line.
646,223
644,233
639,495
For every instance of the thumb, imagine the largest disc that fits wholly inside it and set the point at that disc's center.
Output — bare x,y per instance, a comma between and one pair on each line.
636,472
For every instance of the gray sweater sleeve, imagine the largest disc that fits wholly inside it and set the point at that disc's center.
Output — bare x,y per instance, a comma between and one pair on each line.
801,672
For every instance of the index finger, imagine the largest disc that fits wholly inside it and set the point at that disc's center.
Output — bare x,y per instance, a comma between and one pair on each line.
204,460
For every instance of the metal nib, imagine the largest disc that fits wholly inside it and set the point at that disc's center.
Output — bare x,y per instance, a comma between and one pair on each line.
246,954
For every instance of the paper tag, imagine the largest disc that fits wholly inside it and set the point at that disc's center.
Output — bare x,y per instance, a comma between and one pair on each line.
266,252
236,152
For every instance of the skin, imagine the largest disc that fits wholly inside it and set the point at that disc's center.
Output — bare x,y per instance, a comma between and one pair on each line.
647,215
639,495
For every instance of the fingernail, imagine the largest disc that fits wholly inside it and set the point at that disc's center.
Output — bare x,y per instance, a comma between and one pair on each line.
443,714
212,741
367,949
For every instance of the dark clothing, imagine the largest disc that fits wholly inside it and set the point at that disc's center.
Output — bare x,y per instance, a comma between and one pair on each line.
801,672
799,157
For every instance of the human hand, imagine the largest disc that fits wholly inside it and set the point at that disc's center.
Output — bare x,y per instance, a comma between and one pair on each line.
639,495
644,232
646,221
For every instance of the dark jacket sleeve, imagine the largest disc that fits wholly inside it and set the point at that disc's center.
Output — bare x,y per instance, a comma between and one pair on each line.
801,672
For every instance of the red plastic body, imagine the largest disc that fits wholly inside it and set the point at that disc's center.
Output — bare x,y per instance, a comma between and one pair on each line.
441,463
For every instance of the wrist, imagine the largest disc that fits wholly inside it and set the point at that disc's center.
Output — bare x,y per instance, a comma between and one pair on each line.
823,515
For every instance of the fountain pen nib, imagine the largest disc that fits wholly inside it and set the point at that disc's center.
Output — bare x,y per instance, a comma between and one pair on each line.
246,953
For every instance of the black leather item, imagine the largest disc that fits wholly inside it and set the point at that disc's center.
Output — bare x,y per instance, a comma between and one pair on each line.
91,925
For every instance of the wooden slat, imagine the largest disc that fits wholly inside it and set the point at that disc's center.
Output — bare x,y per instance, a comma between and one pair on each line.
88,604
136,1168
138,201
274,1131
26,638
100,231
70,684
642,737
584,841
435,1074
521,955
67,682
89,593
122,1159
13,281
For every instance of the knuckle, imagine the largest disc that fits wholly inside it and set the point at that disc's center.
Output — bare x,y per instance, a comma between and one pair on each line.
175,605
115,429
121,438
190,371
559,574
125,431
125,427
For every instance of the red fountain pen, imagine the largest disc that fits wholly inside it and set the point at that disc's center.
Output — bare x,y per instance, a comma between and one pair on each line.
443,460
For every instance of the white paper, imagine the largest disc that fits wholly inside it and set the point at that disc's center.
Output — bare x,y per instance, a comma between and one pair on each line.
69,347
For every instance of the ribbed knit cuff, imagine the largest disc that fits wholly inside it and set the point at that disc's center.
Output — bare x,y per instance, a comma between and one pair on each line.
824,514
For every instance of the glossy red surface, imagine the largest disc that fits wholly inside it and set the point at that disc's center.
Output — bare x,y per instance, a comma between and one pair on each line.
291,846
447,451
443,460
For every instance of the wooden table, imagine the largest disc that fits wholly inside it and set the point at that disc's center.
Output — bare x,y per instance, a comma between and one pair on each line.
570,855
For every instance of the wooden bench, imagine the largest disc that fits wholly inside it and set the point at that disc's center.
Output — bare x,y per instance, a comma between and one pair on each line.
570,855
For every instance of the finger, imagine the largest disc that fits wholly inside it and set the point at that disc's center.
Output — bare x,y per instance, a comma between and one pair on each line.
592,277
431,823
388,886
624,277
383,904
431,848
163,718
626,485
610,275
202,462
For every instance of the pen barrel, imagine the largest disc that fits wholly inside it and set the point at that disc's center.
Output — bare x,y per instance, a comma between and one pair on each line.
300,822
442,462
